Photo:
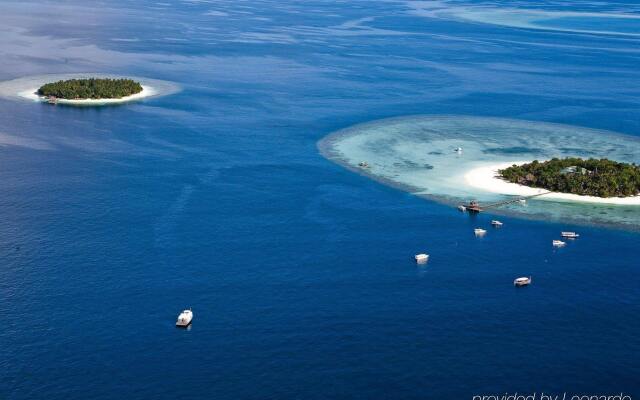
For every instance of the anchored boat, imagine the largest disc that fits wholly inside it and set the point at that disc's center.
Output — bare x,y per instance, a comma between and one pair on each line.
473,207
479,231
522,281
185,318
496,223
421,258
569,235
558,243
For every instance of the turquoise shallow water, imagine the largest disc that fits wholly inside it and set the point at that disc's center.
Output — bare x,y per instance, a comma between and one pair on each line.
619,25
617,18
417,153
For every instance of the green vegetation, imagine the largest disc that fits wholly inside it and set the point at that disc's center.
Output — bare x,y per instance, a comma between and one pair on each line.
592,177
93,88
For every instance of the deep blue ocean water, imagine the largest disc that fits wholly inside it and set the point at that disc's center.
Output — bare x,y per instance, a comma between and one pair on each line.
299,272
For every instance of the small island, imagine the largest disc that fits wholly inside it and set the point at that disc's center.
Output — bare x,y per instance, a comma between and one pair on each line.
591,177
90,88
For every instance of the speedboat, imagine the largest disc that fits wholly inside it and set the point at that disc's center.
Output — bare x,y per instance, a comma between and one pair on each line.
522,201
184,319
522,281
458,150
569,235
421,258
462,208
479,231
363,164
558,243
496,223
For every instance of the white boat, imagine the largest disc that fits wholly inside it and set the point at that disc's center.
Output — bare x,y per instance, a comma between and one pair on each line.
523,281
479,231
462,208
496,223
185,317
558,243
458,150
569,235
363,164
522,201
421,258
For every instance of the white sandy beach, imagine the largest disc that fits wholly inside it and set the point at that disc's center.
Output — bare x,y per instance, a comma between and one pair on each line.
147,91
26,88
486,178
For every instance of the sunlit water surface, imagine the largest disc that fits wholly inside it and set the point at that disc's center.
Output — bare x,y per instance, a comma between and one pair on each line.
300,273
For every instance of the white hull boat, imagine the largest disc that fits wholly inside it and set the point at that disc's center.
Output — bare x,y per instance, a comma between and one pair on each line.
496,223
479,231
558,243
185,318
421,258
569,235
523,281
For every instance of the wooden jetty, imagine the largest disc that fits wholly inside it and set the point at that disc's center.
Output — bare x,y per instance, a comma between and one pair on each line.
474,207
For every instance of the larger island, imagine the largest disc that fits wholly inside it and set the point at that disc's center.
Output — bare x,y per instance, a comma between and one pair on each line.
591,177
90,88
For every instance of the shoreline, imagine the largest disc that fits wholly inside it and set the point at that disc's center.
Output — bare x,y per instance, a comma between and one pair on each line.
147,91
26,88
486,178
410,143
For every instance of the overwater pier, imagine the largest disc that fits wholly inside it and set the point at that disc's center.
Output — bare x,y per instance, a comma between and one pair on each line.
475,207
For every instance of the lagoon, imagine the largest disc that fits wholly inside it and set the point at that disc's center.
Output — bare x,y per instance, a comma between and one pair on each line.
417,153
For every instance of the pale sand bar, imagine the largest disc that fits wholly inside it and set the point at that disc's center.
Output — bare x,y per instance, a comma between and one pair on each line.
486,178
